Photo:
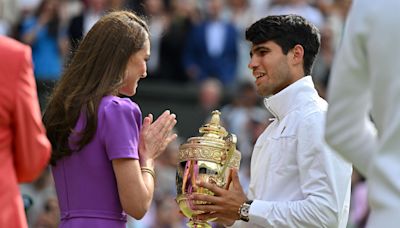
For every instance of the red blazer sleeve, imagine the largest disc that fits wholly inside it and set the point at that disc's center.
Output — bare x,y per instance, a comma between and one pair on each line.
31,146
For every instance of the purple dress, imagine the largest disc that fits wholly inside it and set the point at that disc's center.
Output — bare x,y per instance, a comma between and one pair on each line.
85,181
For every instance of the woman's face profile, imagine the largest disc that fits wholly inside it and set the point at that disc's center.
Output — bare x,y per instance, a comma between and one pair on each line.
135,70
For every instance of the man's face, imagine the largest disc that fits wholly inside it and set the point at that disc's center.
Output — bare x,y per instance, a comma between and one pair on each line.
270,68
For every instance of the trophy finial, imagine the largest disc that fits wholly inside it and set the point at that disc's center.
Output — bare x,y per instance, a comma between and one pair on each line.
215,118
214,128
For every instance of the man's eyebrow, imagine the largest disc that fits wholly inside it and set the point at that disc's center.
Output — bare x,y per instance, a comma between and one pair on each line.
258,48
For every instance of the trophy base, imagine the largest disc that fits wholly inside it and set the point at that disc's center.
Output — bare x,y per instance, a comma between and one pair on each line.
198,224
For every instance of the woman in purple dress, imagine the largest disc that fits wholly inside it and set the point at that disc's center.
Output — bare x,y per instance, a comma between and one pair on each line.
103,156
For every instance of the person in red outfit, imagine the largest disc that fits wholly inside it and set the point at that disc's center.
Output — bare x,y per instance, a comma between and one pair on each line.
24,147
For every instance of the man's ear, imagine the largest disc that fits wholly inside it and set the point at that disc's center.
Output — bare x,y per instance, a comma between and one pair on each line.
297,54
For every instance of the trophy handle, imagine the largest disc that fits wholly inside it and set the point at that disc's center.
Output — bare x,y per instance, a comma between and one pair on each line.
231,145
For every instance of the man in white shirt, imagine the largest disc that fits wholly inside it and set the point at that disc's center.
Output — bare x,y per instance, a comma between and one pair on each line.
296,180
365,84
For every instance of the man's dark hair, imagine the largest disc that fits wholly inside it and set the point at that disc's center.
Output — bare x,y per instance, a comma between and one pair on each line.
287,31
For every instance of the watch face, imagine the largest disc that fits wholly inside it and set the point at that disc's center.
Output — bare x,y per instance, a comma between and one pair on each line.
245,210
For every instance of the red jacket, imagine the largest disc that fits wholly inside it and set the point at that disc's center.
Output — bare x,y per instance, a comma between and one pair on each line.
24,147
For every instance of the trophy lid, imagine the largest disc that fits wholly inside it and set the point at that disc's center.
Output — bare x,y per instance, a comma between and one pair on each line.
213,128
210,145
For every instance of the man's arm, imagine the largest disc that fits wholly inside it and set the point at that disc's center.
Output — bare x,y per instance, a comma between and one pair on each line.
31,146
349,129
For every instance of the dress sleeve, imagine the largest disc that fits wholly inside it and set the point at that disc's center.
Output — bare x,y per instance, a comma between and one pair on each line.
32,148
121,128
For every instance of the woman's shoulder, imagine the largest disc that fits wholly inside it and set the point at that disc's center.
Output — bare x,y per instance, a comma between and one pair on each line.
118,103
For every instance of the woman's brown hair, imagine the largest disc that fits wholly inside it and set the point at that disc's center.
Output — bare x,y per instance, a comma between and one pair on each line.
97,69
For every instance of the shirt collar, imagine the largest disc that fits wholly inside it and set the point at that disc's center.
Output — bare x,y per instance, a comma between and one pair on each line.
295,95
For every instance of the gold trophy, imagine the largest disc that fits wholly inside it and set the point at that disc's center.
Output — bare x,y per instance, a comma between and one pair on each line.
207,158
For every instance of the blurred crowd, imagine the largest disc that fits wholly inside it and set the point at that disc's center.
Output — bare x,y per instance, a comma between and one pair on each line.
192,42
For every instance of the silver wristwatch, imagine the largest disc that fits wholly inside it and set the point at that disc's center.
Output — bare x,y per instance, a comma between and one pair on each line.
244,211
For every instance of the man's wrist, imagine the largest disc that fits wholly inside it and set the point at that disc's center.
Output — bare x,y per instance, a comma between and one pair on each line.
228,224
244,210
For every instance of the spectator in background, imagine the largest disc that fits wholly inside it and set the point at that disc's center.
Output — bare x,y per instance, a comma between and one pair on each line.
167,213
298,7
359,208
240,117
165,210
166,165
8,16
211,48
45,33
237,114
241,15
157,20
335,20
363,122
118,4
24,148
323,61
259,7
137,6
210,96
166,168
181,19
38,191
27,6
81,24
49,216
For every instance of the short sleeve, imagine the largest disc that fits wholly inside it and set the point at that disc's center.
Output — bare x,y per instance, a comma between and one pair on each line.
120,129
